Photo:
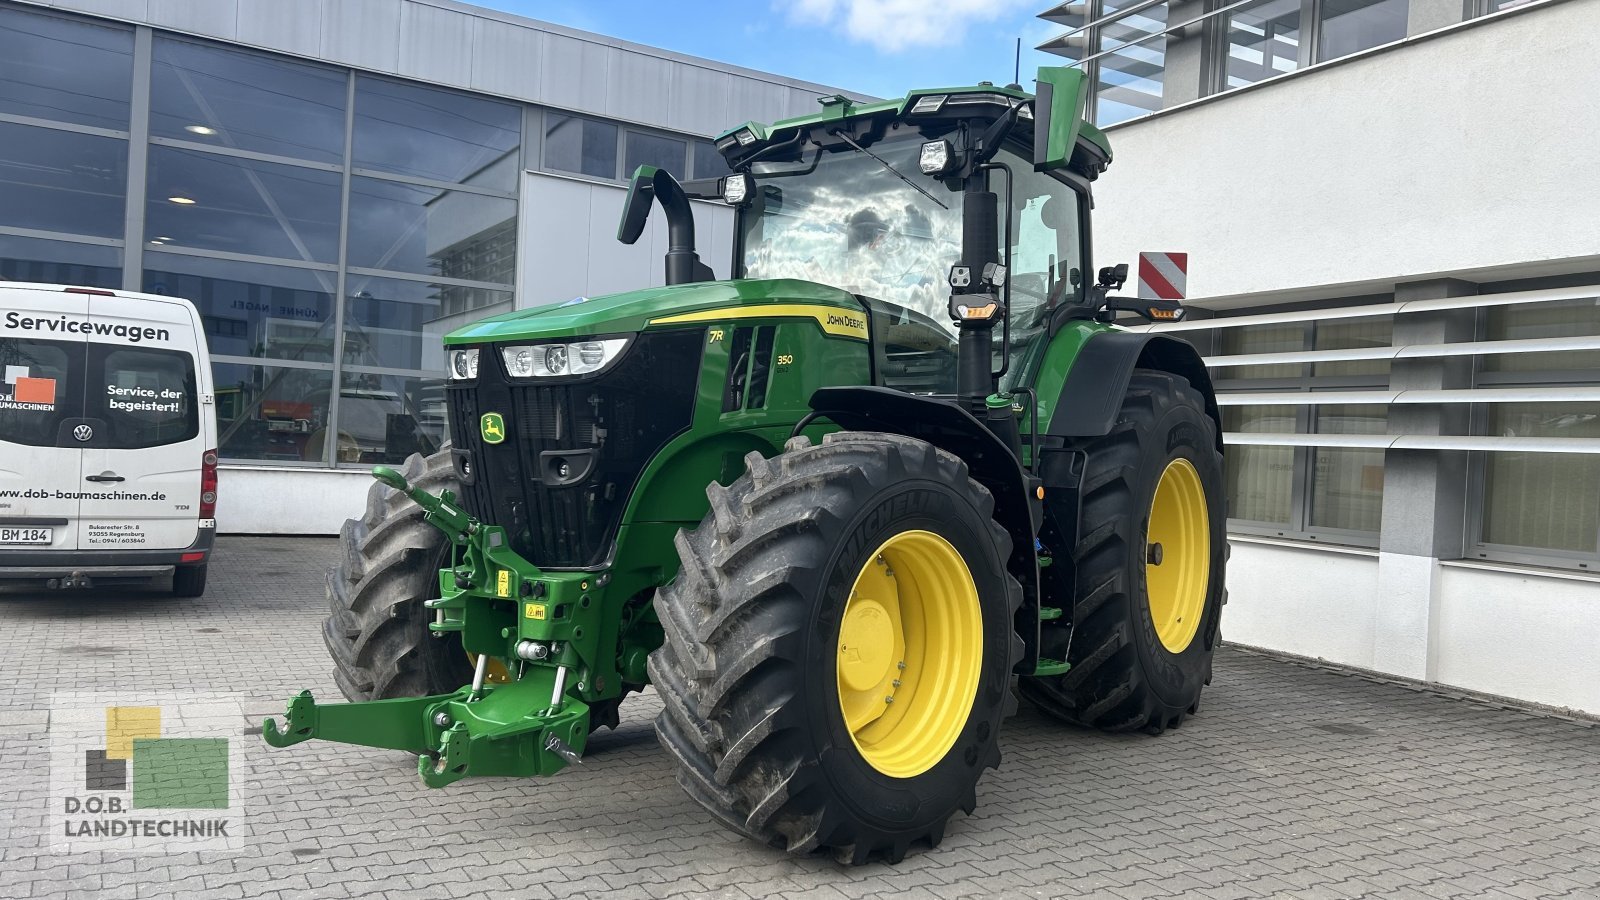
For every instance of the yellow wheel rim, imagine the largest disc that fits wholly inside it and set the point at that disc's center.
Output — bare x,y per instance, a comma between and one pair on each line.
1177,568
910,653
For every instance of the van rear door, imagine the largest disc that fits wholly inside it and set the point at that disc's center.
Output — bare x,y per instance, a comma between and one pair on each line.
141,468
41,401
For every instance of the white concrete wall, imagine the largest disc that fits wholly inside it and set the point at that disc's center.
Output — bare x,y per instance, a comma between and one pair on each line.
277,500
1520,634
1502,630
1443,155
1320,603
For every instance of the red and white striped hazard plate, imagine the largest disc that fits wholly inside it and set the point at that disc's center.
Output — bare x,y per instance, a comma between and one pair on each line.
1163,276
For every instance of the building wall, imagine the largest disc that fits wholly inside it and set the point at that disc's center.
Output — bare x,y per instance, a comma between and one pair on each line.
1446,165
1446,154
1321,605
459,45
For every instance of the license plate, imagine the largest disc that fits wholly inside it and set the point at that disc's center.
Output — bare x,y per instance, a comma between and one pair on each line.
25,535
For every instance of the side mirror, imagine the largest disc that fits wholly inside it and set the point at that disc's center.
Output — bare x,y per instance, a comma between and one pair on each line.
636,209
1057,115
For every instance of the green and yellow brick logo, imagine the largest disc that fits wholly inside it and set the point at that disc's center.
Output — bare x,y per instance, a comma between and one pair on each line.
166,773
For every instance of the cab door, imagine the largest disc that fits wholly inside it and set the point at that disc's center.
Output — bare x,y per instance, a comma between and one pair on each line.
41,400
142,466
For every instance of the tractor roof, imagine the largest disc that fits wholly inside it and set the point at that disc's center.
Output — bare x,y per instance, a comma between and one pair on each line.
1091,156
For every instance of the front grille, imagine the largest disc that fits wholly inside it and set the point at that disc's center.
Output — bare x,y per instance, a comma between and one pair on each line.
603,430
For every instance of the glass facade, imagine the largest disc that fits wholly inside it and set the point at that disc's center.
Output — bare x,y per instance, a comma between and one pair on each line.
1541,502
1324,492
329,225
1130,71
1124,45
1263,40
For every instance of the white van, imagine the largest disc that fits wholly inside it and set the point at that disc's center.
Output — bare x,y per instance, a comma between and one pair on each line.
108,436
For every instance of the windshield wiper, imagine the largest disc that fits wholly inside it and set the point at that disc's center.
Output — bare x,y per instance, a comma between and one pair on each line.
896,172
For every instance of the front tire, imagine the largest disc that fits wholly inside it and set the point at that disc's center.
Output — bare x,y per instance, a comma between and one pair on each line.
811,580
1149,563
377,630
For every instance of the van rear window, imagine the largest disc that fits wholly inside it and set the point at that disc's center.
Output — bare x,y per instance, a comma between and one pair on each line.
41,388
145,396
136,396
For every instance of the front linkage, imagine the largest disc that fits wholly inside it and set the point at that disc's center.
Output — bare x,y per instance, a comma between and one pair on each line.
504,607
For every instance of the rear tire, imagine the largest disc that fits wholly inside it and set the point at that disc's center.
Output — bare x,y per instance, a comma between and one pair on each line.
189,581
1127,672
755,677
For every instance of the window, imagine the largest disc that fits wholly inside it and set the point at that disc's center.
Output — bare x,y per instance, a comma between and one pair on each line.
1350,26
59,262
147,398
41,389
1540,504
1347,482
1123,45
582,146
250,309
1321,493
62,181
65,70
436,134
272,413
1128,79
1260,480
429,231
1542,501
640,149
247,101
196,199
386,418
708,161
1263,40
392,323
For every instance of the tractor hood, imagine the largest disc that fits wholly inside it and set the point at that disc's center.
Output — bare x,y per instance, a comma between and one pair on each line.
633,311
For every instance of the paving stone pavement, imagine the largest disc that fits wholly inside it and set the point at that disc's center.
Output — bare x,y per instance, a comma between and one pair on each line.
1293,782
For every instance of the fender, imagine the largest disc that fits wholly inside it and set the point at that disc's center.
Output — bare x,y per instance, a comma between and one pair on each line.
950,427
1092,393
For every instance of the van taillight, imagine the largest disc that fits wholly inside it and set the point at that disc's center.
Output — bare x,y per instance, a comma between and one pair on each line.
95,291
208,485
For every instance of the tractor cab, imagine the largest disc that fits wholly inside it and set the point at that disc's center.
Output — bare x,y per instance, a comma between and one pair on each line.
889,201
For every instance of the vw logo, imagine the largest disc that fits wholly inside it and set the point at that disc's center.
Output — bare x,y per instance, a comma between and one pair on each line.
83,432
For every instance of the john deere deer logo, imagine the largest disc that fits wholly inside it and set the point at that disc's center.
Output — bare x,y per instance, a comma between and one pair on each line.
494,428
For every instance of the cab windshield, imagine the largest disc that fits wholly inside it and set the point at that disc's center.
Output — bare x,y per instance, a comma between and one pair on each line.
853,224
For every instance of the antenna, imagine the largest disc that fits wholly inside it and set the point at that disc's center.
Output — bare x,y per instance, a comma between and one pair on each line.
1017,74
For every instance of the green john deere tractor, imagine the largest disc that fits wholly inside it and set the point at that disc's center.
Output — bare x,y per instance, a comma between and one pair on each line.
832,509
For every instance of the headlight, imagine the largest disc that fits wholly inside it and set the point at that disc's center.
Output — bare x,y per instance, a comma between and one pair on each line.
463,364
936,157
928,104
737,188
551,360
